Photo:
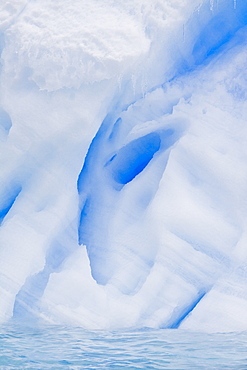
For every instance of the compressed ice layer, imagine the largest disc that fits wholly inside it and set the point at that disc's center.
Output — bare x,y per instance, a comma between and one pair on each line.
133,158
8,200
220,29
123,163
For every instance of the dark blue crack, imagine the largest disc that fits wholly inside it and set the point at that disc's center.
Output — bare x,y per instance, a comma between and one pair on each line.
180,314
7,201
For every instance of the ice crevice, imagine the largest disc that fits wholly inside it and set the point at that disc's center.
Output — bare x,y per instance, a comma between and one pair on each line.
121,154
179,315
8,200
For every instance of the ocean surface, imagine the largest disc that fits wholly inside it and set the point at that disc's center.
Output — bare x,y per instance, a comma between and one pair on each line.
56,347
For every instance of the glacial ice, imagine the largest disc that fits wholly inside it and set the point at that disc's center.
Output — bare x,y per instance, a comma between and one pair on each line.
123,163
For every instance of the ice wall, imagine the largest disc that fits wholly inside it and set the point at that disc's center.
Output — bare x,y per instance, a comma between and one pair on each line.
123,163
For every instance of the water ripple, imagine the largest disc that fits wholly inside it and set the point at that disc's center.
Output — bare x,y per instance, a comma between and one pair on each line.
55,347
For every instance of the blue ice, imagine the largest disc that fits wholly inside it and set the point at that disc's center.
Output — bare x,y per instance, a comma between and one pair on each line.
7,201
111,165
134,157
5,120
220,29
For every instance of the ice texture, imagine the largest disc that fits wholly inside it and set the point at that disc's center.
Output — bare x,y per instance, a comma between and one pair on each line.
124,163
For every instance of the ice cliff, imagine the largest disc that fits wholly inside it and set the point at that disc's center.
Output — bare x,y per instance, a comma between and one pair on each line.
124,163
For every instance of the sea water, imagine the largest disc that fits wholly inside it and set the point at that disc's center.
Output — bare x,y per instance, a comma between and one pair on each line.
57,347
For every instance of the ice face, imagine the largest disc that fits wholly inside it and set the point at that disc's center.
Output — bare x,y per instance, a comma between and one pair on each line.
123,163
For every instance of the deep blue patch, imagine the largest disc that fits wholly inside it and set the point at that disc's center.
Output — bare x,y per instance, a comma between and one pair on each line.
8,201
220,30
131,159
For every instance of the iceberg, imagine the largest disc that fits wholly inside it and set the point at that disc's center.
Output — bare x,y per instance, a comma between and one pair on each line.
124,163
